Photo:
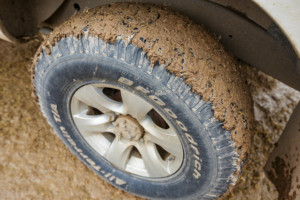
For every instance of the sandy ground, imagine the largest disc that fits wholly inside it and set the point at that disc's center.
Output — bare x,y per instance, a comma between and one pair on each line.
34,164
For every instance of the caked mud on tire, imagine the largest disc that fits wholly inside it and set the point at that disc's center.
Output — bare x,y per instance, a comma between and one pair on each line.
173,65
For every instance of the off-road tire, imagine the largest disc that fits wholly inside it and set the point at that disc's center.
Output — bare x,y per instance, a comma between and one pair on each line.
205,142
211,161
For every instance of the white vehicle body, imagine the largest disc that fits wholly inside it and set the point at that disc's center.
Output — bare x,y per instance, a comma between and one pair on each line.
287,16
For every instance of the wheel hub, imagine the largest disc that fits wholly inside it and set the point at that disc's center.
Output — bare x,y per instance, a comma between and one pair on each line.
128,128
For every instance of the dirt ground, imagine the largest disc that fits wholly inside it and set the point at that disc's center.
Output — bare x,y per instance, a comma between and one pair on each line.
34,164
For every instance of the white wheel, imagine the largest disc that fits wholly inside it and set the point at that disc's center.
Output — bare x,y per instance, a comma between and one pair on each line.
119,126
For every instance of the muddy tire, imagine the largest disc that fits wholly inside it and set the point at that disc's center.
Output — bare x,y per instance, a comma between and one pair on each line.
135,124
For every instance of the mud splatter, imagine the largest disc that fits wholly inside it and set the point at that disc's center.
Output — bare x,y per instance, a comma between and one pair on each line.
273,104
282,177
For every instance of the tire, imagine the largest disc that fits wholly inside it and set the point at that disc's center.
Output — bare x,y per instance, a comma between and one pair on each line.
206,164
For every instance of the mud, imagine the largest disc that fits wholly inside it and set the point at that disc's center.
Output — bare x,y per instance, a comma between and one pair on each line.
187,50
283,165
282,177
273,105
34,164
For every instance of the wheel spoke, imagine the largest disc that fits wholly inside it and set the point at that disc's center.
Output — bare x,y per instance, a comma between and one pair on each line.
95,97
134,105
155,166
151,151
92,123
118,153
166,138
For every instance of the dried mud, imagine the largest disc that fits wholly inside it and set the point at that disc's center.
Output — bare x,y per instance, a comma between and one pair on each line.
282,177
34,164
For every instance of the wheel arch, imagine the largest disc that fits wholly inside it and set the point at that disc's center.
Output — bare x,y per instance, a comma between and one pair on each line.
242,26
21,19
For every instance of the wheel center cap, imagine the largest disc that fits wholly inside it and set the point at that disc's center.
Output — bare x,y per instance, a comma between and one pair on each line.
129,128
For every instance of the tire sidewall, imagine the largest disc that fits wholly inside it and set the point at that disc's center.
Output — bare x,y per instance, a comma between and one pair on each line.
64,76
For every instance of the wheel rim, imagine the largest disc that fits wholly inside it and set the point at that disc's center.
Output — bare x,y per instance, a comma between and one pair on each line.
126,130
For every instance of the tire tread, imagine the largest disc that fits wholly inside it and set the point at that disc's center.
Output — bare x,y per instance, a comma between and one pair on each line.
136,57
